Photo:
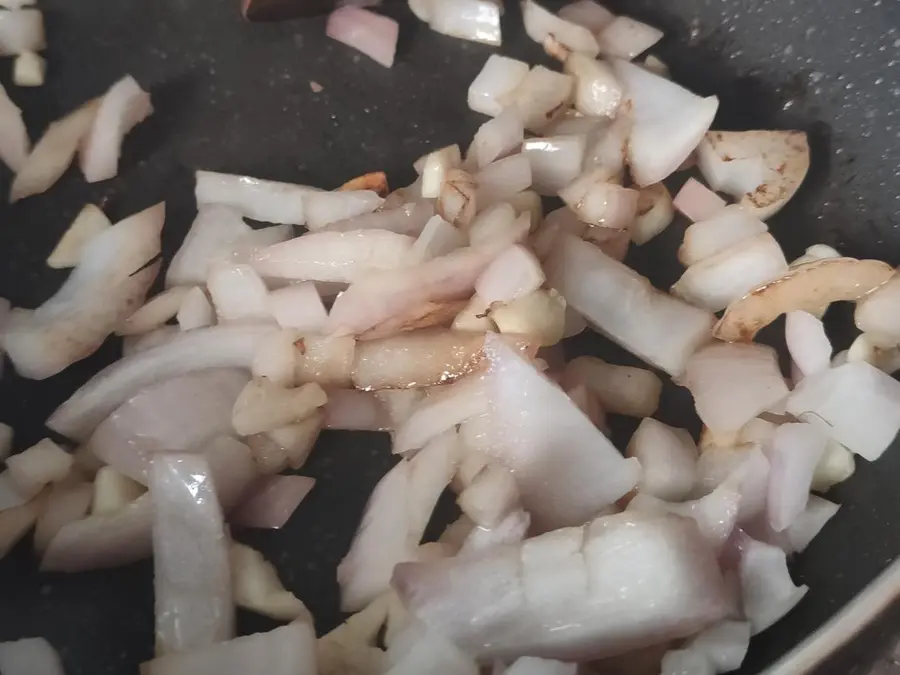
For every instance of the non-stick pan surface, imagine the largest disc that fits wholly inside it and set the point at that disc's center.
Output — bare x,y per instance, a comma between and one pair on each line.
236,97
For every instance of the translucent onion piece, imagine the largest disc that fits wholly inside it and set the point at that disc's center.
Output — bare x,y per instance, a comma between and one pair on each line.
122,108
528,665
416,649
271,503
264,200
496,138
541,24
6,440
212,239
67,501
768,592
620,582
29,70
155,312
807,342
196,311
555,161
796,450
21,30
491,496
654,213
264,406
437,239
256,586
501,179
599,202
372,34
710,376
443,408
435,166
729,226
541,316
836,466
587,13
810,522
476,20
288,650
109,283
42,463
113,491
456,201
177,415
624,306
877,313
29,656
735,176
286,447
219,347
623,390
626,38
542,96
724,645
669,122
510,530
697,202
89,223
686,662
495,231
191,570
492,89
597,91
513,274
668,458
408,218
14,141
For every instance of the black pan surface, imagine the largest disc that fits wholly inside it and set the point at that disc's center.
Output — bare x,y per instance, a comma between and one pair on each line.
236,97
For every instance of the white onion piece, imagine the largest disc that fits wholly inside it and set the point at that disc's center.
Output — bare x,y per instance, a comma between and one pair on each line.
621,582
724,645
716,282
89,223
399,403
382,296
17,521
768,592
408,218
669,122
587,13
264,200
496,139
814,253
528,202
686,661
542,96
417,649
836,466
735,176
263,406
29,70
29,656
807,342
796,450
6,440
565,467
256,586
247,246
558,221
271,503
513,274
855,404
493,229
14,142
540,315
511,530
138,343
21,30
598,202
710,375
662,330
123,106
323,208
328,361
654,213
177,414
492,89
656,66
288,650
298,306
286,447
155,312
394,521
219,347
810,522
502,179
114,491
438,238
372,34
876,313
435,167
697,202
610,148
555,161
626,38
528,665
68,501
668,458
238,293
443,408
42,463
623,390
456,201
476,20
729,226
191,570
356,410
597,91
491,496
109,283
196,310
541,24
212,239
746,468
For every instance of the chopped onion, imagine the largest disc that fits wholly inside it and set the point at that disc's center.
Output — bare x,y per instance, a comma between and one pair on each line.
492,89
356,410
88,224
555,161
711,373
133,344
286,447
669,122
476,20
407,218
599,202
626,38
686,661
807,342
16,521
541,24
597,91
491,496
441,410
496,138
621,582
6,440
417,649
654,213
836,466
255,586
528,665
155,312
502,179
29,656
668,458
542,95
67,501
272,502
42,463
807,287
540,315
717,281
264,200
810,522
114,491
212,239
195,311
656,66
621,389
21,30
496,231
610,149
219,347
327,361
876,313
736,176
724,645
238,293
435,166
438,238
768,592
263,406
122,108
372,34
587,13
14,141
288,650
624,306
456,201
744,467
795,452
697,202
323,208
814,253
110,282
729,226
514,274
510,530
29,70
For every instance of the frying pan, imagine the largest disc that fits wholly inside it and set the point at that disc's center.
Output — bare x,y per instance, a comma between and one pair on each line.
236,97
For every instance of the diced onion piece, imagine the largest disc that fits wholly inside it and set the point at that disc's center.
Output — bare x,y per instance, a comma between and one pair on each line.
212,239
656,66
542,96
668,458
298,306
555,161
514,274
540,315
328,361
877,313
599,202
528,665
6,440
456,201
836,466
609,150
814,253
21,30
155,312
67,501
323,208
496,139
138,343
492,89
502,179
29,656
795,451
541,24
511,530
729,226
491,496
717,281
807,287
122,108
697,202
624,306
272,503
286,447
14,141
356,410
29,70
497,231
768,592
288,650
196,311
631,579
438,238
626,38
443,408
736,176
476,20
256,586
684,661
238,293
404,218
265,200
668,122
113,491
474,317
88,224
263,406
807,342
621,389
810,522
724,645
855,404
416,649
191,569
654,213
597,91
372,34
37,466
435,168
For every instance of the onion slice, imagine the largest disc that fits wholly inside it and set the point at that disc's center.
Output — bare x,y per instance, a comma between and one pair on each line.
768,592
256,587
476,20
668,458
626,38
265,200
492,88
14,141
541,24
795,452
89,223
587,13
809,346
372,34
28,656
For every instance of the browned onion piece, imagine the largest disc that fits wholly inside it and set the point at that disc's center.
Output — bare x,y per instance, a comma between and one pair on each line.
427,315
